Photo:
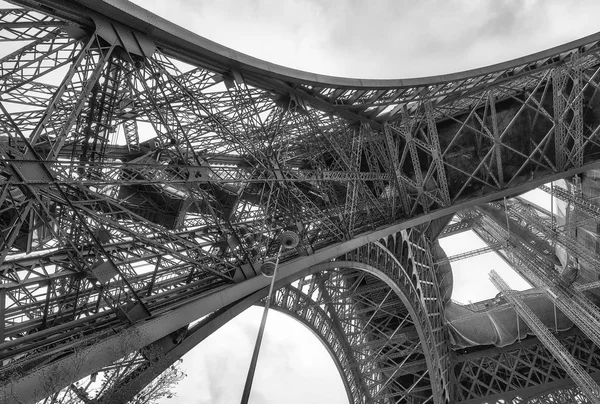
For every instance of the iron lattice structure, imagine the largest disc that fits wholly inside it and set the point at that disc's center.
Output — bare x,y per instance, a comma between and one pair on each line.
146,173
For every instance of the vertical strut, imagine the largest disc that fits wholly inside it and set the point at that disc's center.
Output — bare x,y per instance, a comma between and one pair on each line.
353,185
392,155
497,139
436,151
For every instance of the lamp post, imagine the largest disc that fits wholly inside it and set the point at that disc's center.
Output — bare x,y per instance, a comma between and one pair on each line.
288,239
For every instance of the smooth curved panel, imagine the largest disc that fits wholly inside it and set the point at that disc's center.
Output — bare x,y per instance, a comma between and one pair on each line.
499,325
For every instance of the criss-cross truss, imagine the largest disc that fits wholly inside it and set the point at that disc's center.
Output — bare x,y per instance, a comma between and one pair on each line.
523,373
146,174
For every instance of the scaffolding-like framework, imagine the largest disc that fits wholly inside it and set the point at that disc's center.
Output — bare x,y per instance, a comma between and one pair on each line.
146,174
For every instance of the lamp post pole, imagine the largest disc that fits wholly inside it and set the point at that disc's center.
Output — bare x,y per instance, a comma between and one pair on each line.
261,331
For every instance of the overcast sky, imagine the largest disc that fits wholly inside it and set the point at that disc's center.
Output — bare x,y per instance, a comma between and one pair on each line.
387,38
371,39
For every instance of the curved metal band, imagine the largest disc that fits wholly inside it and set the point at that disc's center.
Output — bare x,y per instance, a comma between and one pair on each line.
186,45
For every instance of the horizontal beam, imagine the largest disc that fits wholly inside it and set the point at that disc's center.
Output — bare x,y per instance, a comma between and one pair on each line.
456,228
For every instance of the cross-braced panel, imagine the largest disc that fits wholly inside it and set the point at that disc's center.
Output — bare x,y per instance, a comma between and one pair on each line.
525,370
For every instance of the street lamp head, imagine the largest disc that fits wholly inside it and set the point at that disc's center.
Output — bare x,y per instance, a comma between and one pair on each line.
268,268
289,239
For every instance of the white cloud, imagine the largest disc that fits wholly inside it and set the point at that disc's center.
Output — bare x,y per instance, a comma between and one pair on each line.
293,366
383,38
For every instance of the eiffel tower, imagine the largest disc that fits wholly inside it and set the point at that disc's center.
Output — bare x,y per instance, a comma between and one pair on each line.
148,174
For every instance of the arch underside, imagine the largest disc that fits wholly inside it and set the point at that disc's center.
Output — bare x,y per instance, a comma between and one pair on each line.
368,308
367,331
344,330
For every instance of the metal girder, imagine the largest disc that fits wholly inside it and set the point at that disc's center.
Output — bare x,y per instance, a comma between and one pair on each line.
26,25
456,228
125,388
360,390
567,88
543,224
470,254
586,207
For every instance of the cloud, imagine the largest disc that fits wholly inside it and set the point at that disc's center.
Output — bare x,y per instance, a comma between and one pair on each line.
384,38
291,358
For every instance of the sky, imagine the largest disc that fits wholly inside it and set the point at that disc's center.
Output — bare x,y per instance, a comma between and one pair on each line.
383,38
300,372
370,39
